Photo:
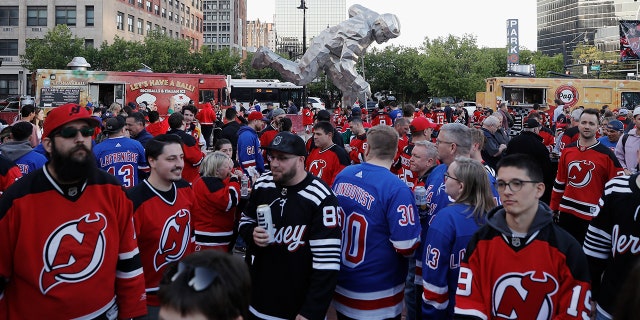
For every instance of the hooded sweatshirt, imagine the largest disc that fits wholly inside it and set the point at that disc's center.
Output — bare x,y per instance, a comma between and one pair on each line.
547,263
22,155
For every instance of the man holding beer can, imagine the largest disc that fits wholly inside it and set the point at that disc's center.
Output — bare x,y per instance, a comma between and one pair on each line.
293,238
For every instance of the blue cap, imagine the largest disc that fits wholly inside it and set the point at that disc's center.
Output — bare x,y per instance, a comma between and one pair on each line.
615,125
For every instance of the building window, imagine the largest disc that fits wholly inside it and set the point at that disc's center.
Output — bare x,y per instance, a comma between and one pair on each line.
9,16
164,12
148,27
88,43
130,23
140,3
132,2
140,23
89,20
120,21
66,15
156,10
8,47
37,16
8,84
170,16
149,6
164,30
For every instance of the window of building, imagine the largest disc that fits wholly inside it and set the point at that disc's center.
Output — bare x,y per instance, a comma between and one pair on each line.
8,84
148,27
37,16
149,6
164,30
170,16
139,25
66,15
193,20
8,47
120,21
164,12
156,27
132,2
156,9
9,16
88,43
170,2
89,19
130,23
140,4
177,4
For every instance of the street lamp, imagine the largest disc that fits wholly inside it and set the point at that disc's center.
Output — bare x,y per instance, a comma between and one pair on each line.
303,6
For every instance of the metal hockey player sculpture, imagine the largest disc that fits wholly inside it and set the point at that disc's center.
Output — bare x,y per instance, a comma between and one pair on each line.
336,51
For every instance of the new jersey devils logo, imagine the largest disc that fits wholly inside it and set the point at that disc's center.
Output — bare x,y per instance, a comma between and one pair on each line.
317,166
74,251
521,296
174,239
580,173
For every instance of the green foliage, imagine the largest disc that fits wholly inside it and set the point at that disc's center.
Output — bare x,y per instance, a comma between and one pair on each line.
54,50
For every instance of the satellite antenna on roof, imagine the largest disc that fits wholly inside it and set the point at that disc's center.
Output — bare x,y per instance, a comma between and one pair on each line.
145,69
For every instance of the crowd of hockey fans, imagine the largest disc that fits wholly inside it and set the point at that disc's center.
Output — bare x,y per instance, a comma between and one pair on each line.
414,211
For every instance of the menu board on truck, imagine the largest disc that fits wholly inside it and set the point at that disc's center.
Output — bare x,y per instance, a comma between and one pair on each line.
53,97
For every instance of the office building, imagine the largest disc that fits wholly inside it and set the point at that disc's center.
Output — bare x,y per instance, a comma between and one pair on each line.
260,34
224,25
95,21
562,24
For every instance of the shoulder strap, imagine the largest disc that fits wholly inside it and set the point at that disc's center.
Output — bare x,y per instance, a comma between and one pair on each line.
624,140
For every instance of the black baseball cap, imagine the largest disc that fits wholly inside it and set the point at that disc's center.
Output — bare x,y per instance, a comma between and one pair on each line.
323,115
288,142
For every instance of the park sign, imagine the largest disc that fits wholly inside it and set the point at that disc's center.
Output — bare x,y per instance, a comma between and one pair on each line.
513,43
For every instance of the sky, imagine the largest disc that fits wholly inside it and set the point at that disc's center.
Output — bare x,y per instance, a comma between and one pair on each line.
486,20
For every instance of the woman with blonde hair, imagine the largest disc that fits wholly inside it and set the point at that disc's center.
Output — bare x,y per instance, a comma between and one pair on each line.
465,182
217,195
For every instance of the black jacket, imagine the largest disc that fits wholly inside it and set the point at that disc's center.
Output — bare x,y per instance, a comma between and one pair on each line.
230,132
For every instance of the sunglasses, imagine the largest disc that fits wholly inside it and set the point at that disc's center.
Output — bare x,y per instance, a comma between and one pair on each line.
71,132
198,278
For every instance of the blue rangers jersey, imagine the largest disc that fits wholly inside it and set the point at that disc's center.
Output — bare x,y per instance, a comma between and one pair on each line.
122,157
437,199
30,162
380,230
446,243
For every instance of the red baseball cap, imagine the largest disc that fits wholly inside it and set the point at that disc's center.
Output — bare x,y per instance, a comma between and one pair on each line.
256,115
420,124
59,116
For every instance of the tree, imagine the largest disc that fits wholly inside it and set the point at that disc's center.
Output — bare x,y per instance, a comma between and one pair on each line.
221,61
54,51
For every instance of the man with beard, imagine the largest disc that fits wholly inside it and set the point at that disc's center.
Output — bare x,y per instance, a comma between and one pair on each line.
295,274
67,244
162,213
584,168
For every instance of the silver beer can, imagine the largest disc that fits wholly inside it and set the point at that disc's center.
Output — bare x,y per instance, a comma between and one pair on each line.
244,186
263,212
420,194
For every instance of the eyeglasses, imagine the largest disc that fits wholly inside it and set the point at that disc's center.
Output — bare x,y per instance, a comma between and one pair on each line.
198,278
515,185
438,142
447,176
71,132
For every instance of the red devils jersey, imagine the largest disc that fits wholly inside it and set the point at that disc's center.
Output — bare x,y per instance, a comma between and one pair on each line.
214,212
163,227
569,136
69,252
541,276
402,167
9,173
582,174
307,116
381,118
326,164
340,122
438,117
357,148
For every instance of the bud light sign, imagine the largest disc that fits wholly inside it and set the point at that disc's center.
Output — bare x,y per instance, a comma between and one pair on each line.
567,94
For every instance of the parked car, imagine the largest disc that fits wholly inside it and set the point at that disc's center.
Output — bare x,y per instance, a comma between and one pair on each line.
470,106
316,103
13,106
